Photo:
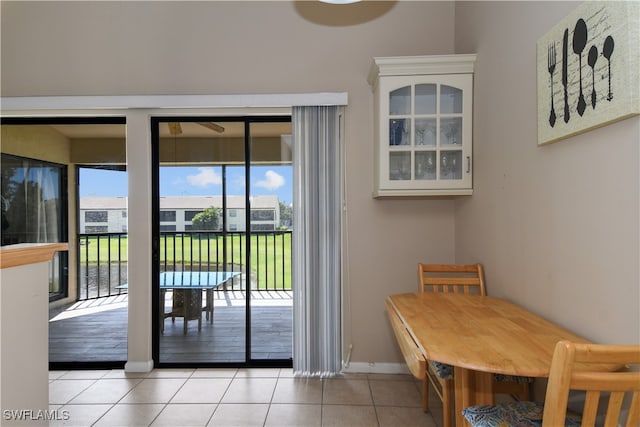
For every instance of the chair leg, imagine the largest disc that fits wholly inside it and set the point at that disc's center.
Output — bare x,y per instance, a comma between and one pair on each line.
186,304
425,393
162,316
447,401
525,394
177,304
209,308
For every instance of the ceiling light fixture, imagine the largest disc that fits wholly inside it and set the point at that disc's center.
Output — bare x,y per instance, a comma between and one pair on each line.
339,1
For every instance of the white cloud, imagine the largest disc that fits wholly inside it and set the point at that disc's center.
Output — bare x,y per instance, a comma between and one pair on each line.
204,178
272,181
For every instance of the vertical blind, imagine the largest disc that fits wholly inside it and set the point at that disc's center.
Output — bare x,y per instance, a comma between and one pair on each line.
317,200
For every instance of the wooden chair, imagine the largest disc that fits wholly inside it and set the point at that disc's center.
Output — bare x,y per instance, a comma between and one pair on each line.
592,376
465,279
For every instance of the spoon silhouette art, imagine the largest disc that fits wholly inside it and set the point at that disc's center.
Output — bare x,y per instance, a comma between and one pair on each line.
591,60
607,51
579,43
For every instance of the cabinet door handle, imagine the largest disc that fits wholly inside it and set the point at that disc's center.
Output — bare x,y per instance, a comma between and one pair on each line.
468,164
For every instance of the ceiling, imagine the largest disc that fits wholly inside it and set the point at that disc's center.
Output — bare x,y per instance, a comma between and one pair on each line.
189,130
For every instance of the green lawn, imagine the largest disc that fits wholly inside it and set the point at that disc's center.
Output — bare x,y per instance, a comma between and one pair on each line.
270,260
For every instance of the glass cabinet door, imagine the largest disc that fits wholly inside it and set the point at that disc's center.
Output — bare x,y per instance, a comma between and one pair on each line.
400,101
425,165
400,165
450,100
425,129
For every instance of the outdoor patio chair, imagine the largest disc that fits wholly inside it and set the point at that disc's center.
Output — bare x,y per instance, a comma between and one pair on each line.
187,303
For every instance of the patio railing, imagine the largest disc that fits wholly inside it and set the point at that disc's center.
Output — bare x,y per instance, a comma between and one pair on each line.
103,259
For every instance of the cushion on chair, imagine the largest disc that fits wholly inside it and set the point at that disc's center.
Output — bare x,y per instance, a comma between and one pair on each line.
442,370
513,379
512,414
445,372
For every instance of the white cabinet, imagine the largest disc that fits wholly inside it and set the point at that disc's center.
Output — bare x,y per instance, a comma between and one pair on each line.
423,108
24,333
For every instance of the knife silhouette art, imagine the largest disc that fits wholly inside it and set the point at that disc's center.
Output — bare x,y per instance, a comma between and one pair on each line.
565,48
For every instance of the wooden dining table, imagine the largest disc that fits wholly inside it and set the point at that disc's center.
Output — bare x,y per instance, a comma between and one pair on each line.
479,336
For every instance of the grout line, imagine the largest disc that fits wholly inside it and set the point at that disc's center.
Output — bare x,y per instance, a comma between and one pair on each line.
105,413
213,413
278,382
275,387
158,414
373,402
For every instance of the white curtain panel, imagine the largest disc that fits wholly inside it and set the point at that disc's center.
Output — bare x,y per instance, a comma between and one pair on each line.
47,207
41,202
317,201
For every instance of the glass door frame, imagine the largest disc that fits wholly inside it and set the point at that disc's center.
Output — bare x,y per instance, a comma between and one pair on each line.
68,260
155,122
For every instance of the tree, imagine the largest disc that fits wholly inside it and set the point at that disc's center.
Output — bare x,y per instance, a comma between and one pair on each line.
286,215
209,219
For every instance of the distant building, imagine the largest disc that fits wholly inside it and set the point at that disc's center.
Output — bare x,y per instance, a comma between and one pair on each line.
109,214
103,215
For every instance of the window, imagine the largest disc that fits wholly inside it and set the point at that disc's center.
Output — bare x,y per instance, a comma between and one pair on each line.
124,214
168,227
262,215
188,215
233,213
168,216
96,216
262,227
34,210
96,229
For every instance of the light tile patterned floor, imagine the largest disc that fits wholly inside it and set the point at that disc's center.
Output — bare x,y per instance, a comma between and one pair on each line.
235,397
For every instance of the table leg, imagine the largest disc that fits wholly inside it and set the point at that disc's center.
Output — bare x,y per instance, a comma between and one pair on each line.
162,316
471,388
209,304
462,379
484,388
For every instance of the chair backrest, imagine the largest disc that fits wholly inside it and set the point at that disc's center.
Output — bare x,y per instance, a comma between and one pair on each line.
456,278
593,375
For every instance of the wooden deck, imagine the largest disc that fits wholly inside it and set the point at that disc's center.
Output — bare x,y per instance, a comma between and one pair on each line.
96,331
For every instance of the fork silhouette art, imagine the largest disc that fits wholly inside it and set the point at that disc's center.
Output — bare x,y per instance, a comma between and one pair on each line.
551,65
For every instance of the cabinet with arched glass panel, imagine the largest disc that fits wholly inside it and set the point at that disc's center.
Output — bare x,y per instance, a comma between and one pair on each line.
423,134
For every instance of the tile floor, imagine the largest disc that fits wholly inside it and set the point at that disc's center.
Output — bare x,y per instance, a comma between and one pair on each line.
235,397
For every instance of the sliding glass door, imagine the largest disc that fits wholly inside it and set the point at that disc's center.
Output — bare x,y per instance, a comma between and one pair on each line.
221,247
270,219
34,210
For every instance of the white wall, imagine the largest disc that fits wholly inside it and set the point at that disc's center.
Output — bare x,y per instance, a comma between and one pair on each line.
138,48
556,226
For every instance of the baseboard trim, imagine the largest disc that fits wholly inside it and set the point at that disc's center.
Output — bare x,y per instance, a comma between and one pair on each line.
352,368
144,366
375,368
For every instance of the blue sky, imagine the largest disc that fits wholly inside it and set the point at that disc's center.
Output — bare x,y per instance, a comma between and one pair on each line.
195,181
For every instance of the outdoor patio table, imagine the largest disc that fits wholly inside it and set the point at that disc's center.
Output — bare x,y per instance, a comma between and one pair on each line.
480,336
186,282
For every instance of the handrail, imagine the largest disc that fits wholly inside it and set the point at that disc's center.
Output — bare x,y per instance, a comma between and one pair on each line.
29,253
102,259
